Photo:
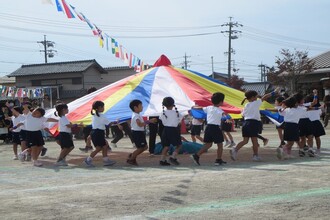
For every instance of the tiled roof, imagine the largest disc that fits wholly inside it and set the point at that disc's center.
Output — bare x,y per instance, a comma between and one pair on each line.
59,67
322,60
118,68
259,87
223,75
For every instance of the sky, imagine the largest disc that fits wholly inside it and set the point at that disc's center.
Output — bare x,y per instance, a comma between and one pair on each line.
150,28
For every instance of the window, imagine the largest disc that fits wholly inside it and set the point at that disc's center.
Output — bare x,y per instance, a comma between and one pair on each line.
76,81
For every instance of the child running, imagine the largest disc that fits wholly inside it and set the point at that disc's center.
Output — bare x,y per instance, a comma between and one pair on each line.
138,131
252,125
16,118
171,118
34,123
213,131
65,135
291,130
99,121
196,129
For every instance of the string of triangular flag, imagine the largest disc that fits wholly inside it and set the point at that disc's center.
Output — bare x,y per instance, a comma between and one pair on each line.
13,92
105,40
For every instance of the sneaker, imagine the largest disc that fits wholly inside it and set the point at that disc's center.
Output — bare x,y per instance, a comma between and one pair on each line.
233,154
279,153
219,162
266,141
301,153
305,148
318,152
61,163
227,143
21,156
89,163
164,163
174,161
43,151
195,158
28,157
311,153
15,157
108,162
86,149
232,144
132,162
113,145
37,163
256,158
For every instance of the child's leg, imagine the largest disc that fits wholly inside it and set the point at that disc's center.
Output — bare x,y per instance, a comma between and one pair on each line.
302,142
164,153
255,145
176,151
280,135
288,147
137,152
242,143
310,141
318,142
23,145
97,150
200,138
219,151
64,153
15,149
229,136
193,138
205,147
35,151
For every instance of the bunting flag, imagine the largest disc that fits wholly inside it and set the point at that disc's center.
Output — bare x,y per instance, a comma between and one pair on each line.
130,60
59,6
116,48
67,10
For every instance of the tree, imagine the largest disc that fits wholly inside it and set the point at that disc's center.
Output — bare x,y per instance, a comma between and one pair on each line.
235,82
291,68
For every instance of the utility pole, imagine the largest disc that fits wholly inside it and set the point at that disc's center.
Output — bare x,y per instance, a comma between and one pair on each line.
231,36
212,67
263,75
48,52
185,62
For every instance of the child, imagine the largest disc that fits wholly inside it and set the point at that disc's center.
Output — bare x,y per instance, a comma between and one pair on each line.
138,132
226,127
317,128
33,123
171,118
65,136
118,129
22,134
196,129
213,131
99,121
291,130
16,118
305,125
252,125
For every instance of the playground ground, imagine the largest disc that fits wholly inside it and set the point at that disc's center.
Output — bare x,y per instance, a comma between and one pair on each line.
293,189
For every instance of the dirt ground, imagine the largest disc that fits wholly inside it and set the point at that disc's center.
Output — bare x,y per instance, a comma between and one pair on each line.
292,189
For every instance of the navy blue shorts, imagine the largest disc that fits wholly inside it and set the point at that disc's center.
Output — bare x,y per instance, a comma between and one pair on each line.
251,128
213,133
16,138
22,135
291,132
318,129
171,135
65,139
225,126
98,138
196,130
34,138
305,127
139,139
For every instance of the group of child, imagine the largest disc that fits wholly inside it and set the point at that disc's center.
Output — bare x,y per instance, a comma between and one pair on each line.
301,123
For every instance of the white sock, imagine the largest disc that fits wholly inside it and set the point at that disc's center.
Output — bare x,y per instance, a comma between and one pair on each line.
174,154
105,158
89,158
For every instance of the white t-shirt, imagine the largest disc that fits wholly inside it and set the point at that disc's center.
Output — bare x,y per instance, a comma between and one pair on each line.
291,115
314,115
134,125
251,110
196,121
17,120
63,122
213,115
303,111
99,122
34,124
172,119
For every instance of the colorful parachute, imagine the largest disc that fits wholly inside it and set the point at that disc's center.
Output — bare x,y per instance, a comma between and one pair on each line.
188,88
